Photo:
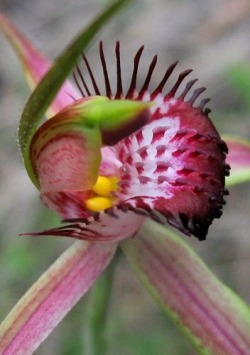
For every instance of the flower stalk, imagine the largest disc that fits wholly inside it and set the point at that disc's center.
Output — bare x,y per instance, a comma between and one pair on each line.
97,328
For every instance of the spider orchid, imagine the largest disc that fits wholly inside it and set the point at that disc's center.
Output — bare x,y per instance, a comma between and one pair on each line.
108,164
167,158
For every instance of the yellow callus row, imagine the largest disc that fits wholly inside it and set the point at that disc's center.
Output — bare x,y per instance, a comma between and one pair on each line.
104,186
103,189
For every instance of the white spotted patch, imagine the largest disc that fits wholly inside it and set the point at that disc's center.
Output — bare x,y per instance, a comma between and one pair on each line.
147,173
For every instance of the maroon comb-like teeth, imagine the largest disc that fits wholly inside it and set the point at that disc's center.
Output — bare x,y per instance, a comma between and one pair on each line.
133,92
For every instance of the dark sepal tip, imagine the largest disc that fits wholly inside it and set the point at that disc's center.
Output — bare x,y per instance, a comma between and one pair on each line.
113,136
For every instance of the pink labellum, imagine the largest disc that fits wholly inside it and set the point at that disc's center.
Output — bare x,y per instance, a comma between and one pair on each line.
175,164
110,164
171,169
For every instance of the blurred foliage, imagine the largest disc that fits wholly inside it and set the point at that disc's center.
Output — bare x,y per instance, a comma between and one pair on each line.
239,77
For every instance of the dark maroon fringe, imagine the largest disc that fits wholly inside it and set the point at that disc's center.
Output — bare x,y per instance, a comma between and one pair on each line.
132,92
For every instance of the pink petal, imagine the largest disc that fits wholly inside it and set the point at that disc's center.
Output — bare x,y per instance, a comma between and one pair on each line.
52,296
35,64
215,319
238,159
113,224
65,154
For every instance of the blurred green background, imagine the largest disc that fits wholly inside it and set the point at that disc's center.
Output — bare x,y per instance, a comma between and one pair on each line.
212,37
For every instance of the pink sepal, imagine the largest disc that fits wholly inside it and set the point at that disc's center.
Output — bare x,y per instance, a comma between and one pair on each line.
35,65
216,320
52,297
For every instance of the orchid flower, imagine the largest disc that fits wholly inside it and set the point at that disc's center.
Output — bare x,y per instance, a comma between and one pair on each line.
130,168
118,167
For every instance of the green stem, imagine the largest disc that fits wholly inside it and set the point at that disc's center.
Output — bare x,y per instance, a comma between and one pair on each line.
96,337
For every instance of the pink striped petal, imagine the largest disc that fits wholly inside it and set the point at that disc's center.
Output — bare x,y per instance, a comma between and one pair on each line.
238,159
35,64
215,319
52,296
65,154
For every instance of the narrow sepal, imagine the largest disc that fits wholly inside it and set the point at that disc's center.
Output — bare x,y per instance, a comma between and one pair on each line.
213,317
35,65
52,296
51,83
238,159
